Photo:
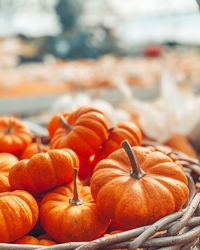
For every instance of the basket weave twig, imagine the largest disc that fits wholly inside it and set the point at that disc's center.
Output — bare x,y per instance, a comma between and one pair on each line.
180,230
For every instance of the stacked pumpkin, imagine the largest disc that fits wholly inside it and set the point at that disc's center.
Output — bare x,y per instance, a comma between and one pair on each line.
128,185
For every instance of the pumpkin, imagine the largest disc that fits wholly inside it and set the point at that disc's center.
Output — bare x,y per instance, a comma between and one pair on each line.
43,240
180,143
116,135
135,186
85,167
18,215
69,213
84,131
6,162
44,171
34,148
55,123
167,151
14,135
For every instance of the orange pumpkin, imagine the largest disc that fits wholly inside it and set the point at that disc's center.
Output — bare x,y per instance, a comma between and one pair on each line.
6,162
69,213
167,151
123,131
180,143
18,215
34,148
44,171
42,240
55,123
136,187
84,131
14,135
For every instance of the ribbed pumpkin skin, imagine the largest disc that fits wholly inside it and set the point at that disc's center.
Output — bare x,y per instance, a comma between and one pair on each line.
65,222
6,162
18,215
33,149
31,240
89,131
44,171
17,139
137,202
54,123
123,131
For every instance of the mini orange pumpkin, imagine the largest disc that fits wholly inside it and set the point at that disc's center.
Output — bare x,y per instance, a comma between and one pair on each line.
116,135
134,196
44,171
55,123
42,240
69,213
180,143
6,162
14,135
18,215
84,132
34,148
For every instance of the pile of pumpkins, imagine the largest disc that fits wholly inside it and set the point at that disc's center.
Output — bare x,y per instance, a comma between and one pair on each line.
88,181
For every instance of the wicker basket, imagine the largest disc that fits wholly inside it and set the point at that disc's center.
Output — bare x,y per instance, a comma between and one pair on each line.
180,230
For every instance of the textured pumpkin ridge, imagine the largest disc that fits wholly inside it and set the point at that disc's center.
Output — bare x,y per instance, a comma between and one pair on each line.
169,185
142,195
137,136
162,169
28,177
125,134
98,121
9,221
83,136
6,226
49,160
84,111
138,216
26,201
23,205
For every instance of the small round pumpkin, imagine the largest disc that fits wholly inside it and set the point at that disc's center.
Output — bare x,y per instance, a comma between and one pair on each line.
7,160
34,148
69,213
44,171
55,123
14,135
181,143
84,131
116,135
42,240
136,187
18,215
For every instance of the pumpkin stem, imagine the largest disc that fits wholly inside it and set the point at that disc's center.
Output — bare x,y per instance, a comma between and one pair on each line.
64,123
136,171
39,143
75,200
10,128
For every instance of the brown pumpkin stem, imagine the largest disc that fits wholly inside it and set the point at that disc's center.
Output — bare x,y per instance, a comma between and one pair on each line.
64,123
10,128
75,200
136,171
110,129
39,143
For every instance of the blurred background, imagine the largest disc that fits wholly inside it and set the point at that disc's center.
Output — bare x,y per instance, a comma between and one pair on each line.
60,54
